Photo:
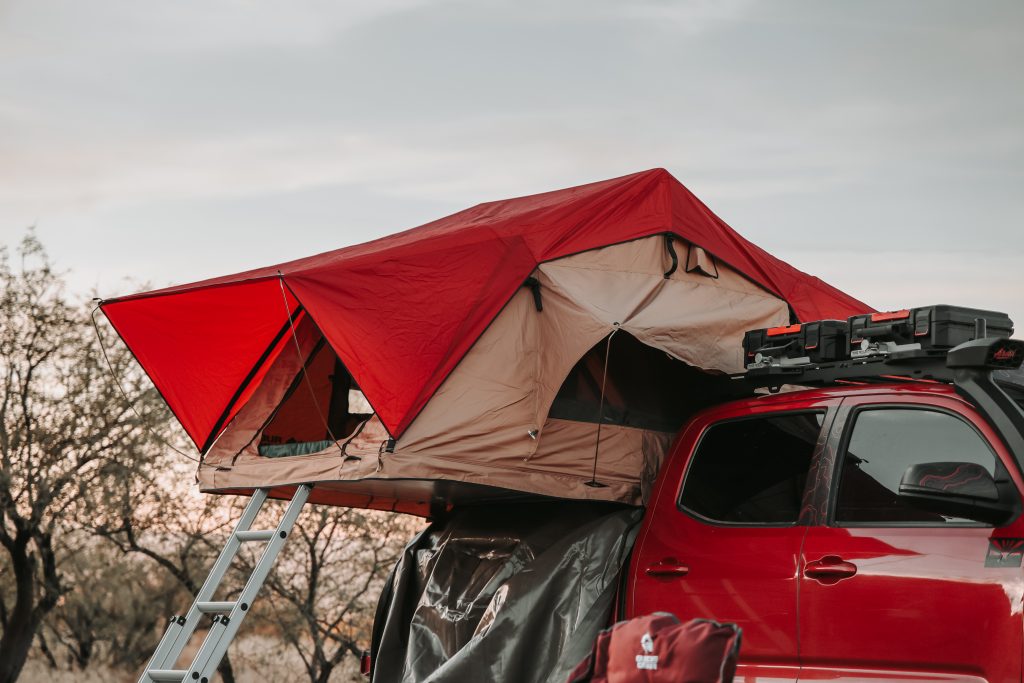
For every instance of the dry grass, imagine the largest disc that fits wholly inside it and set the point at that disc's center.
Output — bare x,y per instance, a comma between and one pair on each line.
257,659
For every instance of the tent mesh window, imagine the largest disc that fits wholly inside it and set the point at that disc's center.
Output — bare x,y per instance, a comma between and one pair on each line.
645,387
322,402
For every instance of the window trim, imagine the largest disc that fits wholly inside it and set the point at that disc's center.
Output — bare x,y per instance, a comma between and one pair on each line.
825,424
850,423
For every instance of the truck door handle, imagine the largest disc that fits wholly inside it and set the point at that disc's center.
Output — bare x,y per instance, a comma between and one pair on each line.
667,567
829,570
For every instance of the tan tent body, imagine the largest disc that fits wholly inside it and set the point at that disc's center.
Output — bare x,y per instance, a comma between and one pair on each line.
489,422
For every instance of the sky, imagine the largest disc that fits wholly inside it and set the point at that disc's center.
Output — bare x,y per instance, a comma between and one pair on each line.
876,144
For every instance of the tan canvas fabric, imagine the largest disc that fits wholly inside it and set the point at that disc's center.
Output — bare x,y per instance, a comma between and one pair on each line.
487,423
504,386
242,435
695,318
560,468
698,260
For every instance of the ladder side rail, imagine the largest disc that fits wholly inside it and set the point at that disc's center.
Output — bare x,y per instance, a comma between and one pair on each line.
174,629
179,633
223,631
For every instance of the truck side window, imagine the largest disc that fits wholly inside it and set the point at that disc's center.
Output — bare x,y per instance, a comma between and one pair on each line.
752,471
887,441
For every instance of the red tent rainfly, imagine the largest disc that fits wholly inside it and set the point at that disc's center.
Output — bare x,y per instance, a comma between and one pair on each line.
402,311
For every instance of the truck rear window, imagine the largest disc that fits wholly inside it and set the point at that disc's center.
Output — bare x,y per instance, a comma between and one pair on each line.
752,471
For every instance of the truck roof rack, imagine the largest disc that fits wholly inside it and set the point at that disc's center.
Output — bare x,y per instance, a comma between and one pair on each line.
932,343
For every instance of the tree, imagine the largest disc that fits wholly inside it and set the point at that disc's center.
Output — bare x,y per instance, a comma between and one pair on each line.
91,496
64,427
109,618
148,513
327,584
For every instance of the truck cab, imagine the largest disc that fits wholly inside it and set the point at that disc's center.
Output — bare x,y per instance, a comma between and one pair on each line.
857,532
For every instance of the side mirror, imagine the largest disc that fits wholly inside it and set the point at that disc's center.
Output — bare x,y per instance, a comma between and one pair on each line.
957,489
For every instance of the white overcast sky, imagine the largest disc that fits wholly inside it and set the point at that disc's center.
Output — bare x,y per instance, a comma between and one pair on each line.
878,145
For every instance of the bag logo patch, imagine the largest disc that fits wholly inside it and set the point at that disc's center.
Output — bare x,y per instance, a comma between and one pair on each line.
647,661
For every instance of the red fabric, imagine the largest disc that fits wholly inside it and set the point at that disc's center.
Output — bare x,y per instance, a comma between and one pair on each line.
403,310
658,649
296,419
199,345
284,343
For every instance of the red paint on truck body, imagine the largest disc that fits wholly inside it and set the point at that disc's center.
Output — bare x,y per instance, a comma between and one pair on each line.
822,599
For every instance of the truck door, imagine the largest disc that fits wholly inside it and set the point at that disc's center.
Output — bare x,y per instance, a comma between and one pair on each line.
890,588
723,542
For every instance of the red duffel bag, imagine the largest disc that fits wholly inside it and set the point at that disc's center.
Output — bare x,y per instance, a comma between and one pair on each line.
659,649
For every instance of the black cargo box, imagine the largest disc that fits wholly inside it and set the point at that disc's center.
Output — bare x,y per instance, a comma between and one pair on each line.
933,327
822,341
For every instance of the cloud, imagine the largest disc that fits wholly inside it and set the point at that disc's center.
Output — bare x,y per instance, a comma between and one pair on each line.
134,29
681,18
827,126
893,280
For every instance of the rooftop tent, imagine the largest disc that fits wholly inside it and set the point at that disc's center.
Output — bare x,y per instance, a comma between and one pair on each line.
467,356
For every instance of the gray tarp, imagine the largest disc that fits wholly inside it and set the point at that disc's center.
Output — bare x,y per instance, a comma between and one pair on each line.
503,593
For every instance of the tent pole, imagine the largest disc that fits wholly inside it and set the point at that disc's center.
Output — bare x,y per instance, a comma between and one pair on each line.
305,375
593,483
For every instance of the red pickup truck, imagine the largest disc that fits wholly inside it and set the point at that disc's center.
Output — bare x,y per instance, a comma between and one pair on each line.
866,527
784,514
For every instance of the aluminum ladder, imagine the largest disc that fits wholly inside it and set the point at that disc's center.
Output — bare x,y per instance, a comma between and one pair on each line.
229,615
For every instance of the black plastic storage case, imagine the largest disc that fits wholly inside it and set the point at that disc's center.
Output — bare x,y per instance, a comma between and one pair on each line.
822,341
933,327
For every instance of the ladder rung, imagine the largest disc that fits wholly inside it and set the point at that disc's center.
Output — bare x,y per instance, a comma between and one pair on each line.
215,607
211,652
